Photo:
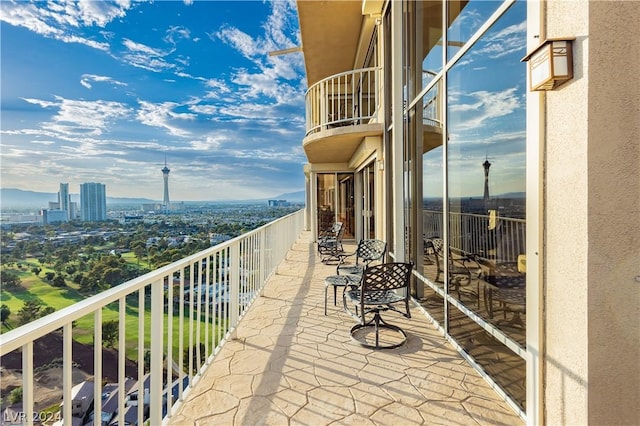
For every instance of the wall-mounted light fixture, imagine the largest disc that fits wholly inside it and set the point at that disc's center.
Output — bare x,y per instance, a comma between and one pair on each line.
551,63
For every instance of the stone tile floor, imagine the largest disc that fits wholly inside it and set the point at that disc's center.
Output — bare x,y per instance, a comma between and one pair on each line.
292,365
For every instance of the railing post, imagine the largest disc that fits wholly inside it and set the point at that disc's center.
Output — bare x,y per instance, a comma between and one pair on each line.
97,364
234,296
67,380
156,368
322,120
27,381
262,262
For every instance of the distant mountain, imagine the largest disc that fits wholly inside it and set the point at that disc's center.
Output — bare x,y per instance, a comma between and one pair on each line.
12,198
298,196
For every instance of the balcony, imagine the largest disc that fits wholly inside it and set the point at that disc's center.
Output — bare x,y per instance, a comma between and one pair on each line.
268,353
341,110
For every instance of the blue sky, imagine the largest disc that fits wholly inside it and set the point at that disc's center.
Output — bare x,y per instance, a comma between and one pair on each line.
96,91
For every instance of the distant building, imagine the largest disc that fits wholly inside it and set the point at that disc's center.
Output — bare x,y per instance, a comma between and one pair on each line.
278,203
151,207
81,399
93,202
8,220
50,216
73,210
64,199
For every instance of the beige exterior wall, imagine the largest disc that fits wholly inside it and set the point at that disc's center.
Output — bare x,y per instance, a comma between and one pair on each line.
592,219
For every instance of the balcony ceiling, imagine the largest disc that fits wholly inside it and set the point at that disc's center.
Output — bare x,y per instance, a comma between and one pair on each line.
330,32
338,145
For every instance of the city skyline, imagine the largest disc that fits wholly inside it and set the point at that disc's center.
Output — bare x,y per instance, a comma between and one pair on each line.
115,88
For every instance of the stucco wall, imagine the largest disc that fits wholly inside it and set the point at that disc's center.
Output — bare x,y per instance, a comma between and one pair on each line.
592,218
614,212
566,227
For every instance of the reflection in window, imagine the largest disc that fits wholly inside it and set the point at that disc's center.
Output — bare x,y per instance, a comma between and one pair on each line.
465,18
474,259
486,165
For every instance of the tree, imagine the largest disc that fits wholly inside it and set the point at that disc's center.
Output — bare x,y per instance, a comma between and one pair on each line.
59,281
15,396
10,279
4,314
49,275
29,311
46,311
194,357
113,276
139,249
36,270
109,333
77,278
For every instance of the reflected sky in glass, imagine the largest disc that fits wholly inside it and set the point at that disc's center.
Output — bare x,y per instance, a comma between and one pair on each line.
486,96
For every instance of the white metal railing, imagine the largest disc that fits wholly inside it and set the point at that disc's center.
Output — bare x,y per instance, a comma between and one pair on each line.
344,99
502,241
240,267
432,102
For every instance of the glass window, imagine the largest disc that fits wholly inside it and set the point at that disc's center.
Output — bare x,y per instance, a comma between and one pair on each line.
472,262
465,18
346,200
326,201
335,201
429,39
486,165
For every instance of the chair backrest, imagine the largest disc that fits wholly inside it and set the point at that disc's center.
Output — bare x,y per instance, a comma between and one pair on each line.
379,279
336,228
436,244
332,232
370,250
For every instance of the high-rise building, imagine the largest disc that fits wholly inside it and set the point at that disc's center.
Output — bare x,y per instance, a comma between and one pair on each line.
93,202
395,155
64,199
165,174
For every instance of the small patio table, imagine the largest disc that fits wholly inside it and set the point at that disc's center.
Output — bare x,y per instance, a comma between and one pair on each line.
338,281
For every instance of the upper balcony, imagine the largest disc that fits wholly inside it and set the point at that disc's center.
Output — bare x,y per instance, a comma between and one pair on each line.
340,111
267,353
344,108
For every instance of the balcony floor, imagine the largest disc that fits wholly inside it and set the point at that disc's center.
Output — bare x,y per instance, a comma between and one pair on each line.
292,365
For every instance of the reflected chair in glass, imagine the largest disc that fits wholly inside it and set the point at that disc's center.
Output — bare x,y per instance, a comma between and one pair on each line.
381,289
463,268
368,251
330,243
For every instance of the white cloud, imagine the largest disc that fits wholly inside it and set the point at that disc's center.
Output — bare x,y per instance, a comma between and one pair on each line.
132,46
239,40
486,106
86,80
273,74
62,21
86,117
162,115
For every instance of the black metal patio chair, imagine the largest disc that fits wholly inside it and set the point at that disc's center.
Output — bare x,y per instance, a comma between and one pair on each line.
330,242
463,268
368,251
382,288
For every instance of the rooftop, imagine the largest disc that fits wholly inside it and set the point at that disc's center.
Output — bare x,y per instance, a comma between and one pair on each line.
291,364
